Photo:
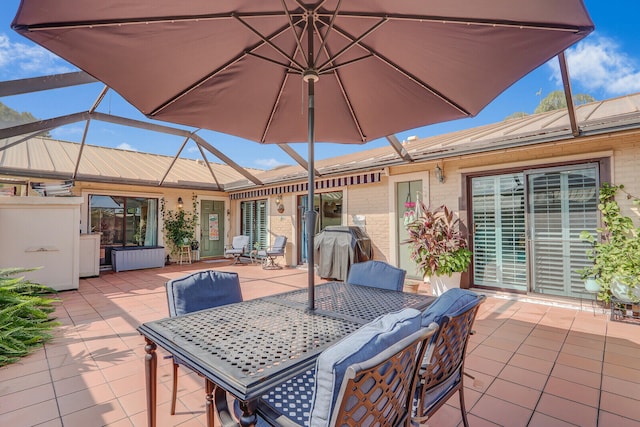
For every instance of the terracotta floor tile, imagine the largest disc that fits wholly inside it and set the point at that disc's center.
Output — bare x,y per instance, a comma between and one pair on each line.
622,372
51,423
567,410
96,360
523,377
492,353
619,386
573,391
31,415
580,362
576,375
501,412
476,422
514,393
482,364
542,420
587,352
85,399
537,352
21,399
24,382
502,343
607,419
531,363
78,383
100,414
624,406
27,365
133,403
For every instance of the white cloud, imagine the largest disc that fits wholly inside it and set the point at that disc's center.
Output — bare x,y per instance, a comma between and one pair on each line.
598,64
65,132
267,163
19,60
125,146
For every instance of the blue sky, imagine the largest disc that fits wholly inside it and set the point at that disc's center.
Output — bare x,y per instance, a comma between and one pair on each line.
605,65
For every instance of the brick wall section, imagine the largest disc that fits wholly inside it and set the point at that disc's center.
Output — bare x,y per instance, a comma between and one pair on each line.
372,201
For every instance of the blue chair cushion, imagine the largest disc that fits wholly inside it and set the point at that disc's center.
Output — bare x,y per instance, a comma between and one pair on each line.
362,345
450,303
436,393
202,290
377,274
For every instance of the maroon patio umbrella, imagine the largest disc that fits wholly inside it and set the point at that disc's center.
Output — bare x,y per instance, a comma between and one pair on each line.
372,68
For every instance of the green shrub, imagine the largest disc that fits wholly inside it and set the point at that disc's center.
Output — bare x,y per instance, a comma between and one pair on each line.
24,315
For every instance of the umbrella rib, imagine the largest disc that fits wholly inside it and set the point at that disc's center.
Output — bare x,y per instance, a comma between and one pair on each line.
471,21
273,108
270,43
291,25
353,43
213,74
408,75
335,67
329,28
289,68
356,122
137,21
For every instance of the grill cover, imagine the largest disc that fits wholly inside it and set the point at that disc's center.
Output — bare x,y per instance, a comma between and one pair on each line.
337,247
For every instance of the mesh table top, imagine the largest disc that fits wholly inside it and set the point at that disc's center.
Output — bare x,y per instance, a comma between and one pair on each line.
247,347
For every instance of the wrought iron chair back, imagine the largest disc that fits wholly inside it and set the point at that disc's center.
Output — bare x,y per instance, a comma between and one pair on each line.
442,372
199,291
377,391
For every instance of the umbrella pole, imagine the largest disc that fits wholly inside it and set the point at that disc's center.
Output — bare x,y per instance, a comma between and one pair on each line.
310,215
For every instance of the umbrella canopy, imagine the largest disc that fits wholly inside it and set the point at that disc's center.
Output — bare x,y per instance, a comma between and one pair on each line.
239,67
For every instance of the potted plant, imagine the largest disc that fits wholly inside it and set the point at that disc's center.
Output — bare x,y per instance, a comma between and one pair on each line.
615,250
438,247
179,225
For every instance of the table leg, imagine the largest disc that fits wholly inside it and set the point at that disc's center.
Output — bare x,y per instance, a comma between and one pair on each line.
151,367
248,417
210,406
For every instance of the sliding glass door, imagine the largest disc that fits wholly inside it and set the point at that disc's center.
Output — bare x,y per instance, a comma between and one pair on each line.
526,228
562,203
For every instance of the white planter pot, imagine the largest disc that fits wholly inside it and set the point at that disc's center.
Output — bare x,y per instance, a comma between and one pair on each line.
591,285
441,284
623,292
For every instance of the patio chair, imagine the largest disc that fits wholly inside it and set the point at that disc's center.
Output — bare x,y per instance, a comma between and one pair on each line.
199,291
367,378
239,246
442,371
376,274
270,254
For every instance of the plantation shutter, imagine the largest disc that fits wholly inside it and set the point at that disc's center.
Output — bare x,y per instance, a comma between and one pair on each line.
254,222
499,252
562,203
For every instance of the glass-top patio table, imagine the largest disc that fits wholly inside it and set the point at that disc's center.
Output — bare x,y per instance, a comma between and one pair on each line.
249,347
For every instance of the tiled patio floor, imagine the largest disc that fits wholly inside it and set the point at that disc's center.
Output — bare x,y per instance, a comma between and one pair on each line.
535,365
